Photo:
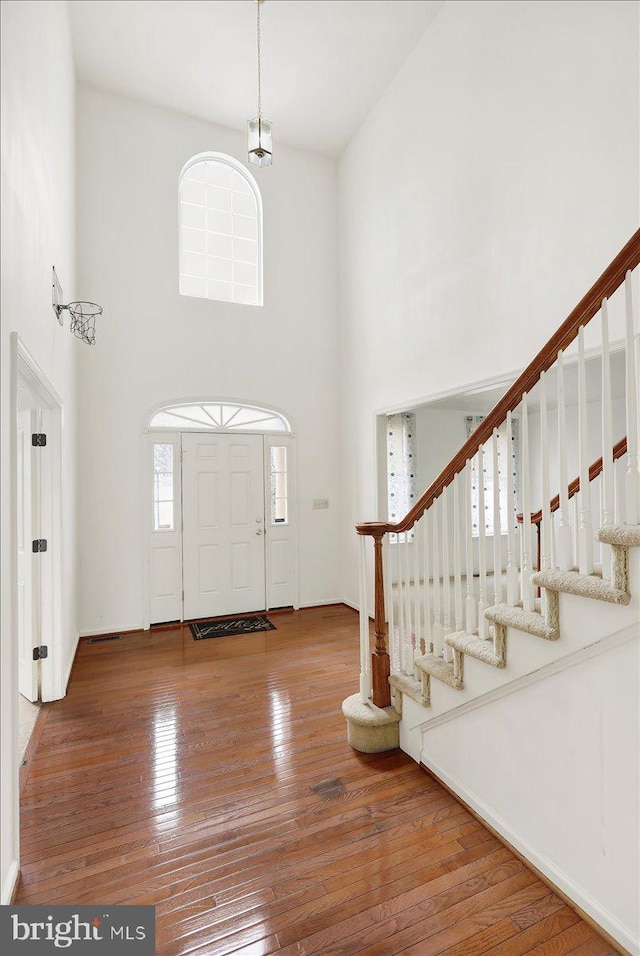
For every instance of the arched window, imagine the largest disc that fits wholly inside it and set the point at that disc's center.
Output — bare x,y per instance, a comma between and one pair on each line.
219,416
220,231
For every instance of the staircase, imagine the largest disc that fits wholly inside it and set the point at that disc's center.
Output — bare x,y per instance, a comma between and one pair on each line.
465,612
543,623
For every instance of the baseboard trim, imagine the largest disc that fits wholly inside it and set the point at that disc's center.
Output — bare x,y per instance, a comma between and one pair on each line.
10,884
355,607
601,920
309,605
128,631
101,632
32,746
70,666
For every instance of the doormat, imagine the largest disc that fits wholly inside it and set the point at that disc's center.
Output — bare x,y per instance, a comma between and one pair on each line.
228,626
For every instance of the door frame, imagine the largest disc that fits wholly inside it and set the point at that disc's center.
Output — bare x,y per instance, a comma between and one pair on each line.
27,377
28,512
148,437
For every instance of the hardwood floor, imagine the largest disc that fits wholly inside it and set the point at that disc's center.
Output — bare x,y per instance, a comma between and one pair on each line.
213,779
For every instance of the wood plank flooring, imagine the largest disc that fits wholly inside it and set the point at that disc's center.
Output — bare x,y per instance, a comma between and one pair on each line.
213,779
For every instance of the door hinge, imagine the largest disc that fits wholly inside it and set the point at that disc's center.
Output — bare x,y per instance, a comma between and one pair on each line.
39,440
40,544
40,653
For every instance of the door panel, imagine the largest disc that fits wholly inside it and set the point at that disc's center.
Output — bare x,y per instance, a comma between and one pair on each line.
223,539
280,564
27,583
164,572
209,500
209,567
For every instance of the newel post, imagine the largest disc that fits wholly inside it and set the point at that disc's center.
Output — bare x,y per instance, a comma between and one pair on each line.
380,663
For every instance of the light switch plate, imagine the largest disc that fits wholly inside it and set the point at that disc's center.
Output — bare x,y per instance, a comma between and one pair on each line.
320,504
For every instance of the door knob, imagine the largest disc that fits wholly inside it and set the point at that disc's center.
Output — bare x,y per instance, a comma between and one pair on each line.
259,531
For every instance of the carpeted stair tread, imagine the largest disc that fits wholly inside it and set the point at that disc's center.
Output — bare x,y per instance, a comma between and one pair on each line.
623,535
476,647
439,668
583,585
409,686
531,622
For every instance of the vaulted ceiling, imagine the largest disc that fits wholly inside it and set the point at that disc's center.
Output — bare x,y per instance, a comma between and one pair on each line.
324,62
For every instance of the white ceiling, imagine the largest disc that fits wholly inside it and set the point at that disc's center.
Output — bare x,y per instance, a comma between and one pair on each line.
324,62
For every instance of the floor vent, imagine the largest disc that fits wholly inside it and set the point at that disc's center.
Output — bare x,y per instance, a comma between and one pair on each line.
99,640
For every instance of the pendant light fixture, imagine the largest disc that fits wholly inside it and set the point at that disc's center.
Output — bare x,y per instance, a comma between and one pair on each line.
260,138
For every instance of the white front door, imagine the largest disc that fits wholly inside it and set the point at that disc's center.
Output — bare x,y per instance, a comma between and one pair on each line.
27,570
223,524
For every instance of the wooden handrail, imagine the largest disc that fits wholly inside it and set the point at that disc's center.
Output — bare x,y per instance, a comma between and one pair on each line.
595,469
626,260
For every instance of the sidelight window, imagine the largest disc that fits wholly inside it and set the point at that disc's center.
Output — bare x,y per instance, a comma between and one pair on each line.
279,481
163,486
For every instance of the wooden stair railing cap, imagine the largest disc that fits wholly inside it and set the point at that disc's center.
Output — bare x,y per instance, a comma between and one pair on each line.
374,528
595,469
626,260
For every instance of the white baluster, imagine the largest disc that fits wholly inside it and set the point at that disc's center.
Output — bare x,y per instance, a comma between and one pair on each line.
400,596
426,540
601,552
497,523
585,531
437,592
606,484
483,628
365,649
388,584
619,468
576,524
416,589
470,605
565,534
408,634
457,573
446,580
632,477
512,564
528,598
545,529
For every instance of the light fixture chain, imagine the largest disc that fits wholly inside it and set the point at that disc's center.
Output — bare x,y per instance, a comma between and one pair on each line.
259,64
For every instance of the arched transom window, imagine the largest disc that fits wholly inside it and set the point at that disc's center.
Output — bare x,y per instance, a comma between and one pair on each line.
220,231
219,416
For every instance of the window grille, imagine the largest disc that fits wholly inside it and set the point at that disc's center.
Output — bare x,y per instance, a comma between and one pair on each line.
220,234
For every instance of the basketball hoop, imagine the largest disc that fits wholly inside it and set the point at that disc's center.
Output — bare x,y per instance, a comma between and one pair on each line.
82,314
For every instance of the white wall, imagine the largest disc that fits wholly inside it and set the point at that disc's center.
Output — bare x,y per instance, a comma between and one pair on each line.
38,168
559,779
154,345
440,432
477,207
